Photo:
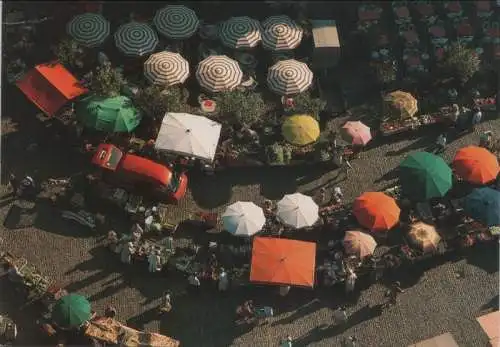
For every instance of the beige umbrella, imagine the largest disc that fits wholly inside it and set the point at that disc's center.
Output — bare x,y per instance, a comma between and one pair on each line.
359,243
240,32
289,77
219,73
166,68
424,236
281,33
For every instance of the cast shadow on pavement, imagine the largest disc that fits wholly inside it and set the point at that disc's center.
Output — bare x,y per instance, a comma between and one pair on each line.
275,182
324,332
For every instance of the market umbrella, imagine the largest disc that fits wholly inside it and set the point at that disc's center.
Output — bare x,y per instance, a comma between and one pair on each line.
283,261
89,29
71,311
424,236
240,32
424,176
298,210
300,129
243,218
359,244
376,211
289,77
476,165
483,204
219,73
401,103
176,22
166,68
356,133
188,134
281,33
136,39
115,114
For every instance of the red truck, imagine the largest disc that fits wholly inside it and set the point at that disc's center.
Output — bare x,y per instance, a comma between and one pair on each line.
140,175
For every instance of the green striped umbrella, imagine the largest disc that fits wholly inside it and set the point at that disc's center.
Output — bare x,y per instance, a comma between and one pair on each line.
281,33
108,114
424,176
89,29
176,22
136,39
71,311
240,32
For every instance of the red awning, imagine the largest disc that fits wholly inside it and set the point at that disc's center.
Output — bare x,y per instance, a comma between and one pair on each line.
50,86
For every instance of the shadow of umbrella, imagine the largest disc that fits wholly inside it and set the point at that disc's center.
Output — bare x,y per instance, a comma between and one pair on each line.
484,257
210,192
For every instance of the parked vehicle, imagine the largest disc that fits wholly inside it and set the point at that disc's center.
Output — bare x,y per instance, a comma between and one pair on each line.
135,173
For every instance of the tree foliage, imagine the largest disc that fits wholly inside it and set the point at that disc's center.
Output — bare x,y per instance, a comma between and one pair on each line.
105,81
461,62
244,107
306,103
385,71
69,53
155,100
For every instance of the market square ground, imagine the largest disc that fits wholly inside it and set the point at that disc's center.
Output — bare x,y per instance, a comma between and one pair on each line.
436,302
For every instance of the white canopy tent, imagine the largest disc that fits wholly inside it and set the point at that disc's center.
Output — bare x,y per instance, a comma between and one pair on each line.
189,135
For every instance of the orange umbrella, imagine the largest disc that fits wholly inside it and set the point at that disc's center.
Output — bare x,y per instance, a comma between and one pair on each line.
359,243
476,165
283,261
376,211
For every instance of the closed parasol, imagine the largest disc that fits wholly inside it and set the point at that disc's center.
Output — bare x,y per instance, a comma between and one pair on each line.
281,33
89,29
243,218
283,261
298,210
240,32
476,165
424,236
359,244
219,73
176,22
356,133
166,68
376,211
300,130
289,77
136,39
402,104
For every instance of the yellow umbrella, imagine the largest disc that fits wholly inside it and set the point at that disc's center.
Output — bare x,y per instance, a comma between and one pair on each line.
424,236
300,129
402,103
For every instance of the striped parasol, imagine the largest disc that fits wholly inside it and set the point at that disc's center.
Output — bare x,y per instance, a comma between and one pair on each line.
281,33
219,73
240,32
136,39
176,22
89,29
424,236
166,68
289,77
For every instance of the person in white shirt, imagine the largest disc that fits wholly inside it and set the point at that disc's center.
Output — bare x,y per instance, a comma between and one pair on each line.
441,143
338,195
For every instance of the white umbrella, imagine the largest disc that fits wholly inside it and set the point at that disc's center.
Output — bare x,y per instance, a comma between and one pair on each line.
243,218
189,135
298,210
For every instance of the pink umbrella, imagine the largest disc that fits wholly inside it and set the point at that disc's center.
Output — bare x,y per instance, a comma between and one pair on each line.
358,243
356,133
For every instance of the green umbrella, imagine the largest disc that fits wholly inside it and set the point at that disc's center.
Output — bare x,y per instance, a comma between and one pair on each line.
71,311
424,176
113,115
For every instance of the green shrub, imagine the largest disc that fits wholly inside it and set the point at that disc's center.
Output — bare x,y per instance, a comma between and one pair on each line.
275,154
245,108
155,101
385,71
305,103
105,81
461,63
69,53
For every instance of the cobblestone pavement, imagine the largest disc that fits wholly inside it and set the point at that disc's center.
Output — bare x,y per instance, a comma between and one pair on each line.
438,302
